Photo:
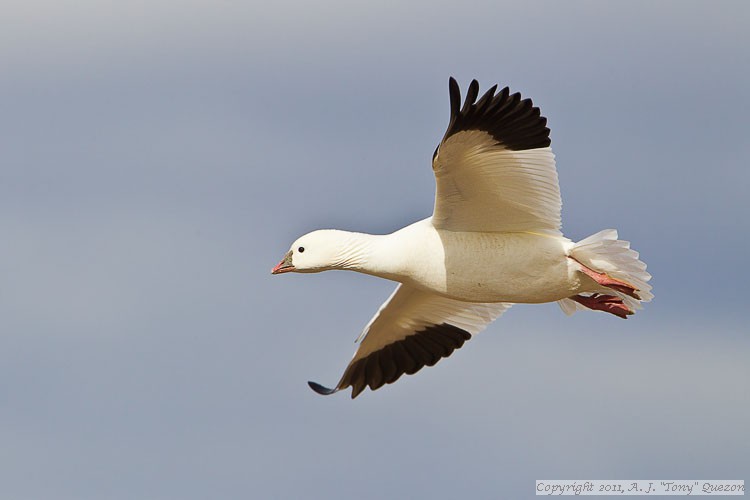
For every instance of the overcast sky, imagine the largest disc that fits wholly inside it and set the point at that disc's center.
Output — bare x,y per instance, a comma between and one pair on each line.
157,158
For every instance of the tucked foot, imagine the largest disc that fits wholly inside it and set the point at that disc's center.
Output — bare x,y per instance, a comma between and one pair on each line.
607,303
610,282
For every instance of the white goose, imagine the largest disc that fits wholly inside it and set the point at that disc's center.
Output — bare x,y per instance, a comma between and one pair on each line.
494,239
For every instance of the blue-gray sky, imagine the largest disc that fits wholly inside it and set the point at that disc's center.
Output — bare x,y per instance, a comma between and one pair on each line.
157,158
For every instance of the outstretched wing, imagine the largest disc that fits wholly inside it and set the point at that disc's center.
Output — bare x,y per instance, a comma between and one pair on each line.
411,329
494,169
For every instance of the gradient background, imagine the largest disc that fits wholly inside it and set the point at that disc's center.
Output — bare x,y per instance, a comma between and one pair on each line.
157,158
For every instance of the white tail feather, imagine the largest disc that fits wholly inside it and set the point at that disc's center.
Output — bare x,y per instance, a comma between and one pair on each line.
569,306
604,253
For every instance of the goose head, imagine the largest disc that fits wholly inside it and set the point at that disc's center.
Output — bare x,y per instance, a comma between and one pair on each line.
312,253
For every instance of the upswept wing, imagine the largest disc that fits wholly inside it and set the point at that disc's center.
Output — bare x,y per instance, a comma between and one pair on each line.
494,169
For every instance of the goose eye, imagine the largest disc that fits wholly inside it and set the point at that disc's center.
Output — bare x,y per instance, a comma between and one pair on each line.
301,249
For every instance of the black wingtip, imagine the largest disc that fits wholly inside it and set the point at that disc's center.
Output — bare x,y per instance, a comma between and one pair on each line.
455,97
324,391
514,122
471,96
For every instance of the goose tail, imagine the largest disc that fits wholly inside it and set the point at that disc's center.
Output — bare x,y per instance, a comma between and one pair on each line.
617,268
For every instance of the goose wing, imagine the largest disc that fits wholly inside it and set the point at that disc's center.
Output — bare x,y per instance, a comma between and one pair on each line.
494,169
412,329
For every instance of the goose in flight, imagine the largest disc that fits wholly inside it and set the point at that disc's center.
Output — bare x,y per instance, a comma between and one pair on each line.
493,240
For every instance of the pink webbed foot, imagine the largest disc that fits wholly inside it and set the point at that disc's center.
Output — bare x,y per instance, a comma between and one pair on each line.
609,282
607,303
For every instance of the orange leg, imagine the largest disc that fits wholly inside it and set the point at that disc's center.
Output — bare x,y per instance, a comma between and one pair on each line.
606,280
607,303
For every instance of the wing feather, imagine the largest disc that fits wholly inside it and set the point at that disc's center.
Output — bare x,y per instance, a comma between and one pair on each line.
412,329
494,169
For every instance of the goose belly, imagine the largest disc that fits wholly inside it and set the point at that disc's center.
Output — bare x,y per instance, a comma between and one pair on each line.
501,267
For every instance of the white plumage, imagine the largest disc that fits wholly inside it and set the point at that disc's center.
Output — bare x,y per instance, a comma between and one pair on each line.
493,240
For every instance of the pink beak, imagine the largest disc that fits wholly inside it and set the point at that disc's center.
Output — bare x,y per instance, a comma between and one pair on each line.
285,265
